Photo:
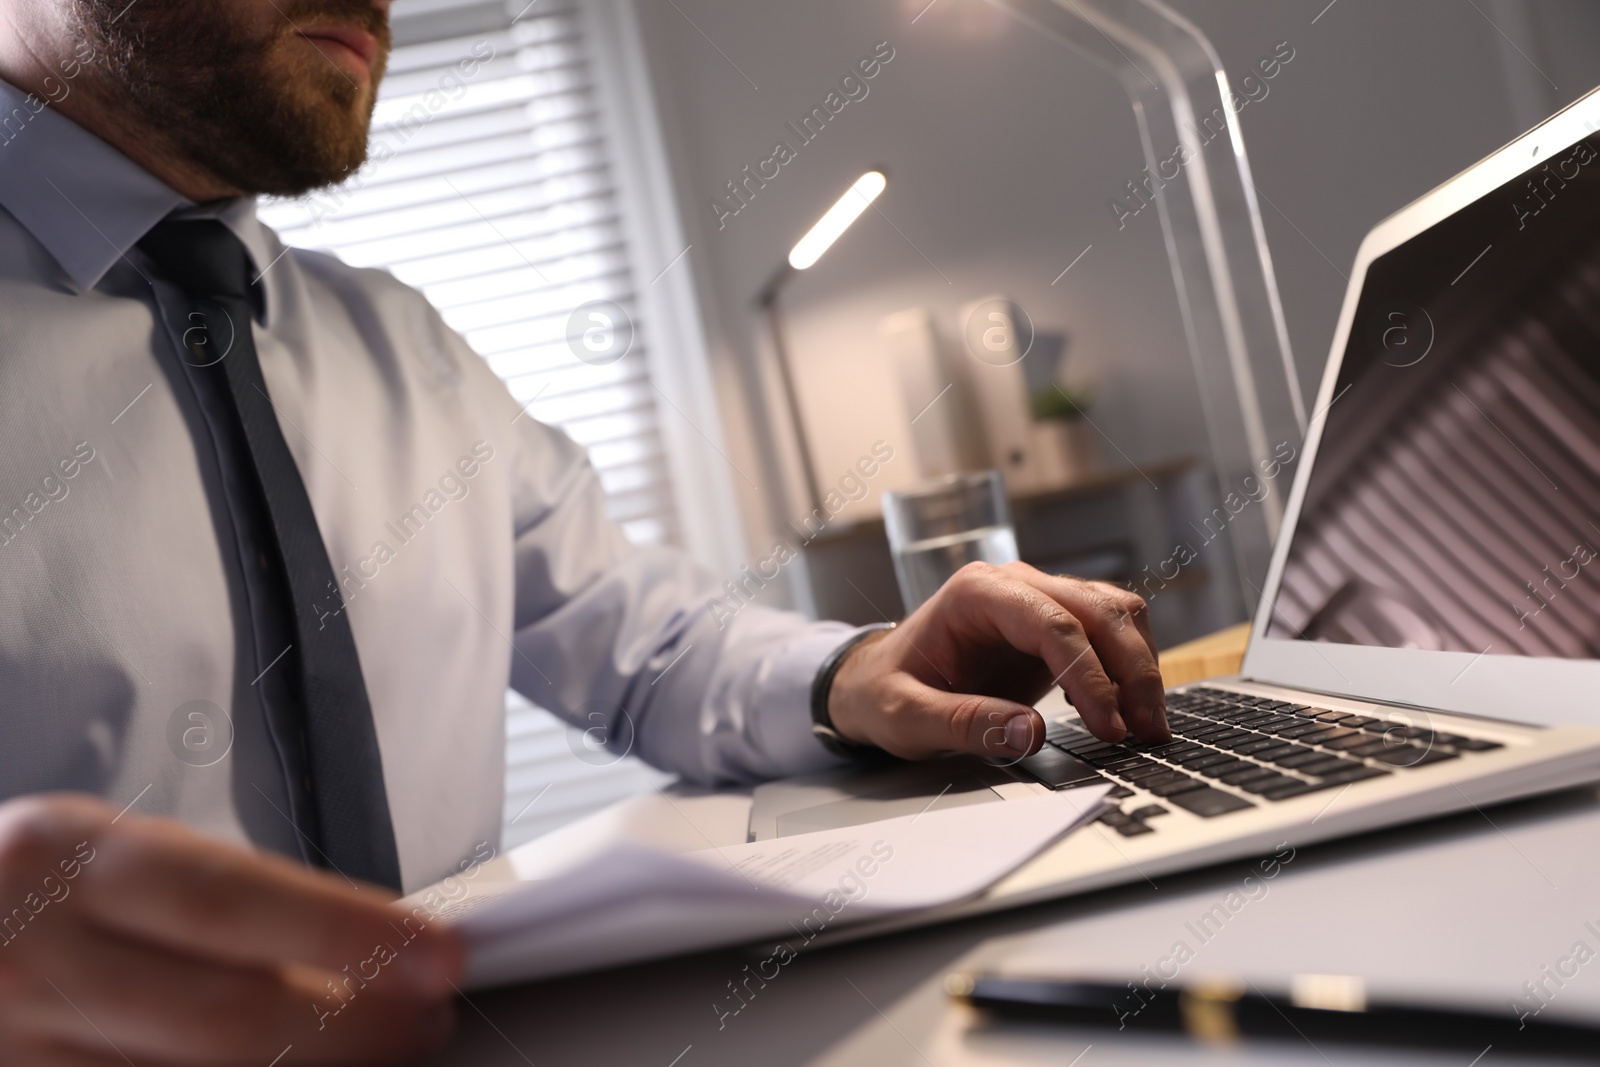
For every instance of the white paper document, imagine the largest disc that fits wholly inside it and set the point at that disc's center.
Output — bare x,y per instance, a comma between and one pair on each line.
623,903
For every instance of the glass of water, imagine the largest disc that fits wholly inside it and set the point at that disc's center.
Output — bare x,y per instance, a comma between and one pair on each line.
939,527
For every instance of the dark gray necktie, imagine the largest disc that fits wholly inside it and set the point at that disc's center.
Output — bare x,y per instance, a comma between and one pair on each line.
348,821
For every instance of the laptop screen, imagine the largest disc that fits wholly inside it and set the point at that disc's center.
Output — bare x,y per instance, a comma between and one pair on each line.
1454,503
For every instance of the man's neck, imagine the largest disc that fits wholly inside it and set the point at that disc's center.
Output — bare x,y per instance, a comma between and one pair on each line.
95,107
147,146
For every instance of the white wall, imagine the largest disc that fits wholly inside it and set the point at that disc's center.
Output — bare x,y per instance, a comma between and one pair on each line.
1003,151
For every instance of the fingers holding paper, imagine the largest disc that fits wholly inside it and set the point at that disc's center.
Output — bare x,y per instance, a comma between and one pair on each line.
962,672
139,940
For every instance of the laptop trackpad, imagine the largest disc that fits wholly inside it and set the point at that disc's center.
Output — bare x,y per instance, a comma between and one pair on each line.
906,790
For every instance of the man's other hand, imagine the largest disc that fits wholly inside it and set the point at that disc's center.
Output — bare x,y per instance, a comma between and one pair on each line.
135,940
962,672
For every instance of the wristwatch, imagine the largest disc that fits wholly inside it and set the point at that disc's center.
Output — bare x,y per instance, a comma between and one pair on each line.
822,686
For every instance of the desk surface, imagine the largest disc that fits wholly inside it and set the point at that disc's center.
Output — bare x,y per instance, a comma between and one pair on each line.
1476,902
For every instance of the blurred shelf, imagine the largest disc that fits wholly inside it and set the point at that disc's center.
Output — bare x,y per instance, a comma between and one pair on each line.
1115,525
1024,505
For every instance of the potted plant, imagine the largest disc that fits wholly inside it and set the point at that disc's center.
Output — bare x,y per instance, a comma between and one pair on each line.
1065,444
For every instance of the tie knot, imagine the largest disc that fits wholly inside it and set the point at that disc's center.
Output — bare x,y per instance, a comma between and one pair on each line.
201,256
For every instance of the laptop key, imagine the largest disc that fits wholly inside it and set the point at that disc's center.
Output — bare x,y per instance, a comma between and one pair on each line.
1298,788
1278,722
1174,789
1167,777
1132,828
1332,733
1309,755
1277,752
1209,803
1344,778
1140,774
1413,757
1217,770
1323,767
1211,759
1255,745
1149,811
1265,783
1117,766
1105,759
1057,769
1476,744
1358,773
1118,792
1347,740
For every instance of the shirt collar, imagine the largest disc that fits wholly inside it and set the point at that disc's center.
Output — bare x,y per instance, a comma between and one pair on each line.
88,204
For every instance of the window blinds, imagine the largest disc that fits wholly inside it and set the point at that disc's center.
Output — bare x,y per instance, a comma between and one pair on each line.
490,189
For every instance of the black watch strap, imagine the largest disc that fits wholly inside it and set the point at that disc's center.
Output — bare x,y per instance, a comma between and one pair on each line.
822,686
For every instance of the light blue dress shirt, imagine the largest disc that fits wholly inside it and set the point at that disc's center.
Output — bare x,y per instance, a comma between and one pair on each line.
471,542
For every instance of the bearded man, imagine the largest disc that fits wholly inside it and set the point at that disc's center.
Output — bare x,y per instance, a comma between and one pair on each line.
228,738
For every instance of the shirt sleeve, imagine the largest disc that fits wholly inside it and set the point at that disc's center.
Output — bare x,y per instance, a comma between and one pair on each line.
642,648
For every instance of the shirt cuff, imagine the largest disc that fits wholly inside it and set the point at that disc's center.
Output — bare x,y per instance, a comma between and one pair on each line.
785,709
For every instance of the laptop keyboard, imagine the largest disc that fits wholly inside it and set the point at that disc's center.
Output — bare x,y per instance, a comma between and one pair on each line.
1232,752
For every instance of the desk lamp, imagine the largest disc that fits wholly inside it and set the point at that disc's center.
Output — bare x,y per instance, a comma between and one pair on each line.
806,252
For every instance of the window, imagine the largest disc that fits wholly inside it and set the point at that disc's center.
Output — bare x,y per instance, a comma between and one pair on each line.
490,188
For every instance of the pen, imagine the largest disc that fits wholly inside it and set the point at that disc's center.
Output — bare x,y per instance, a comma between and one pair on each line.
1223,1010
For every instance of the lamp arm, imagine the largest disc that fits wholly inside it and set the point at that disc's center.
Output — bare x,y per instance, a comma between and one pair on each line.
768,301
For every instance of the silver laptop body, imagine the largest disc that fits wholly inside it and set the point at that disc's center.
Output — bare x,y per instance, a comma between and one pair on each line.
1428,640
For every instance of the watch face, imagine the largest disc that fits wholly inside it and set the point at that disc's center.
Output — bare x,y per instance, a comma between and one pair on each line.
828,736
830,740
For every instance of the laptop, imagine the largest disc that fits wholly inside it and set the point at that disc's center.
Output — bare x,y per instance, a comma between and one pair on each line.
1428,638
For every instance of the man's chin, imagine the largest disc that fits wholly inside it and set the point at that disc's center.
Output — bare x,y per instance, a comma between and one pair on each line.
286,163
312,135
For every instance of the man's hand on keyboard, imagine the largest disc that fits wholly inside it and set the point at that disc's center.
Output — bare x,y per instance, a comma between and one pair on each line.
961,673
126,938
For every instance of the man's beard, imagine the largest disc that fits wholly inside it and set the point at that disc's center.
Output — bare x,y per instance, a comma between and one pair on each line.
223,94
